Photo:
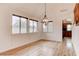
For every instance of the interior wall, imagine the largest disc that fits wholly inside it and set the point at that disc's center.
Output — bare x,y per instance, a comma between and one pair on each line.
75,39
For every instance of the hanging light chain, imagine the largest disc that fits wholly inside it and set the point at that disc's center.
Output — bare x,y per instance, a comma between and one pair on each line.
45,9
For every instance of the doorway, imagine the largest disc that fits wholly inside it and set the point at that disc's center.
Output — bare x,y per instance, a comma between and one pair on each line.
66,29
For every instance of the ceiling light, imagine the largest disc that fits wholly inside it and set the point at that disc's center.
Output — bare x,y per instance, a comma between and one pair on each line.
45,18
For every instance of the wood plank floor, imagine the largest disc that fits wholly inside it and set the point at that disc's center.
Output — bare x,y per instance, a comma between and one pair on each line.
44,48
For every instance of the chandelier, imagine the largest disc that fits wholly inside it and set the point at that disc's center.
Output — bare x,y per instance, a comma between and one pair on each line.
45,18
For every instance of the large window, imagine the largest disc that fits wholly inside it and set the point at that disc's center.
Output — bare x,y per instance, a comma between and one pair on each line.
23,25
33,26
15,24
45,27
48,27
30,26
19,24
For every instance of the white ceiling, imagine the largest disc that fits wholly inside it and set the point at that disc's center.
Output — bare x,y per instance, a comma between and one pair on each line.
54,10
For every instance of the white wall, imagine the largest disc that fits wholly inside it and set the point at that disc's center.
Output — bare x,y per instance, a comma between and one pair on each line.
75,39
9,41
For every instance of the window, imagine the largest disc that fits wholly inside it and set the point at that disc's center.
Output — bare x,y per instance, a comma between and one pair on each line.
48,27
30,26
23,25
33,26
15,24
69,27
19,24
45,27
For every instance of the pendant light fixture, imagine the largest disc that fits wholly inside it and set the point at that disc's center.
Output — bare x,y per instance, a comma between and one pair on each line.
45,18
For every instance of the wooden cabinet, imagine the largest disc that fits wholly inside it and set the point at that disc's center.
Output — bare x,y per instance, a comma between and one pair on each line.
67,34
